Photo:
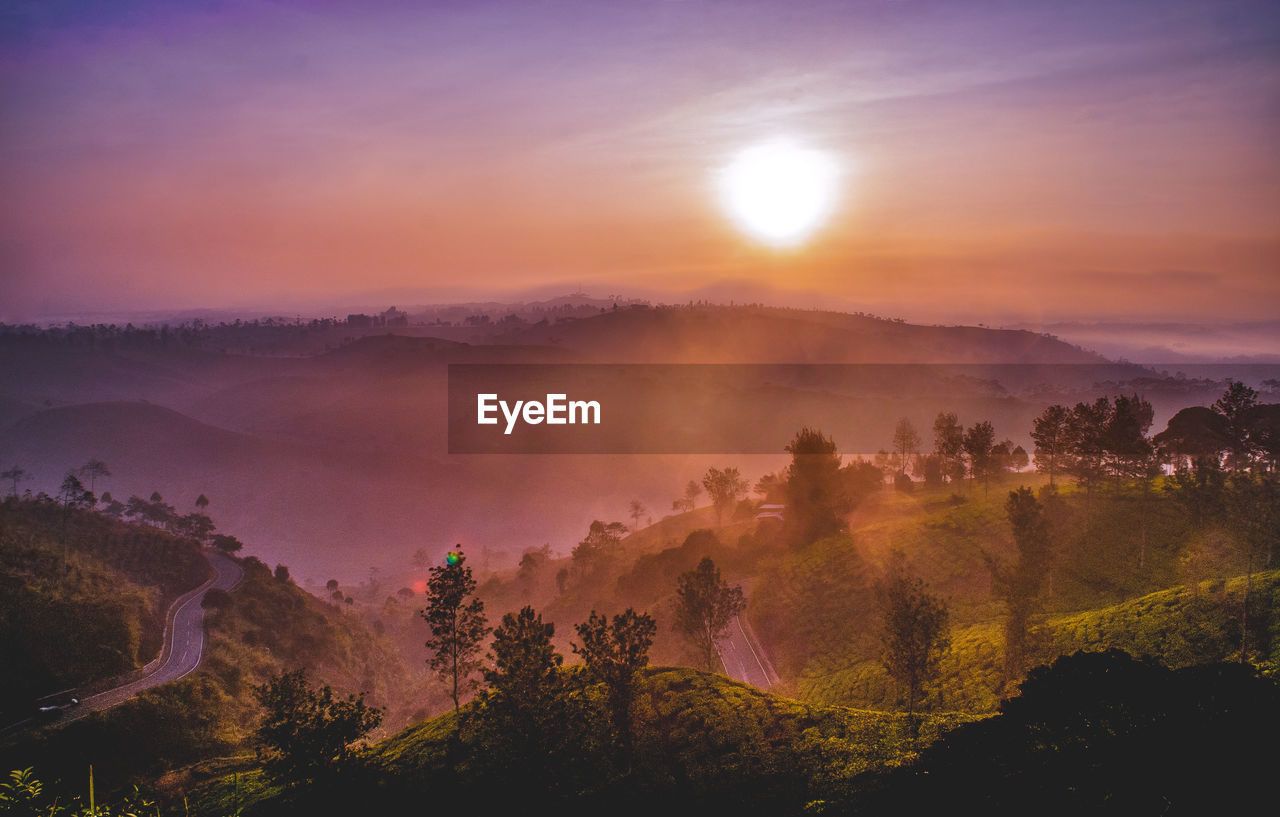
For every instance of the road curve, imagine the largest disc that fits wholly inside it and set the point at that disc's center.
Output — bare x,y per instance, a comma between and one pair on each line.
180,655
743,657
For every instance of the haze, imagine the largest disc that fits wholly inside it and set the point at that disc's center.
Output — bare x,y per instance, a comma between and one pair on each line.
1034,161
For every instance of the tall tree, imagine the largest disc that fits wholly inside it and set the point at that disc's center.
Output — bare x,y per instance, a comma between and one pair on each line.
1253,505
724,487
705,605
1019,585
202,502
1051,432
636,511
906,443
93,469
306,735
814,487
978,443
457,622
615,653
1088,431
1127,450
691,492
948,445
915,631
1235,406
14,474
73,494
527,723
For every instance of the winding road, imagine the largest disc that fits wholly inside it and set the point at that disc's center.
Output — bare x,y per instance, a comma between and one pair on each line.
743,657
183,647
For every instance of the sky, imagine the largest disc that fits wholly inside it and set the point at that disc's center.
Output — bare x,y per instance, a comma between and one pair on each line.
1014,160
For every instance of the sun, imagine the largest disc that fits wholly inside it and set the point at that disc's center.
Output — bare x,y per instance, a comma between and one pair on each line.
779,191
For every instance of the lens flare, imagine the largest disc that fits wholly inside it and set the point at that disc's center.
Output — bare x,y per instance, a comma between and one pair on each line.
454,557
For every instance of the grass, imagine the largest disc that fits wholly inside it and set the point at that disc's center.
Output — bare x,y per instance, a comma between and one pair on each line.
1180,627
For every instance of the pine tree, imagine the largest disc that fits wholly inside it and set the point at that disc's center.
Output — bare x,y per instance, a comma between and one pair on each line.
457,621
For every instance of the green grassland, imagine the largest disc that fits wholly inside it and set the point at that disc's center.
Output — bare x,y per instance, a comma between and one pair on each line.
1180,627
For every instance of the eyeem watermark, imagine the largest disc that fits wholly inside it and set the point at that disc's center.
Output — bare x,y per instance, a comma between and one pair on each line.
557,410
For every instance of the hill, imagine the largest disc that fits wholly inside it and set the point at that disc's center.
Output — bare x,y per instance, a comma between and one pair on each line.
82,597
264,626
703,743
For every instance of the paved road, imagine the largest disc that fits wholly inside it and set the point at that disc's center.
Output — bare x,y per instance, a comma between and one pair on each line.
743,657
181,654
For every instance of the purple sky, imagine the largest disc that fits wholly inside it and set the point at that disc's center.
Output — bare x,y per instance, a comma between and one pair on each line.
1013,159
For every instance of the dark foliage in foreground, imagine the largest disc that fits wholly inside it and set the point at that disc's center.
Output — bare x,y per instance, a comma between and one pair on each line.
1103,733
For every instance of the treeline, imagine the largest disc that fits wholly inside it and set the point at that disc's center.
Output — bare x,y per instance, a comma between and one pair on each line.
155,512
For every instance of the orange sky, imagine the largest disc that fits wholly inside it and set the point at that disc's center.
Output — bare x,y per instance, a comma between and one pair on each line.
1016,161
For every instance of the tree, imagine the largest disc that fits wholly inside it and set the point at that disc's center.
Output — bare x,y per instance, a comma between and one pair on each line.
1253,504
72,493
202,502
1234,406
225,543
614,653
915,635
689,501
306,735
1018,458
457,622
1087,432
1019,585
1127,451
978,443
814,489
705,605
906,442
93,469
601,540
331,585
1051,432
15,475
724,487
637,510
526,723
948,445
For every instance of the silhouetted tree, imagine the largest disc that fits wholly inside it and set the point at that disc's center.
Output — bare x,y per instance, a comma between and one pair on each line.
528,724
1051,432
637,510
814,488
1253,506
724,487
906,442
306,735
978,443
601,541
93,469
705,605
915,634
948,445
457,622
14,475
1019,585
614,653
202,502
1235,406
72,493
225,543
1088,429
